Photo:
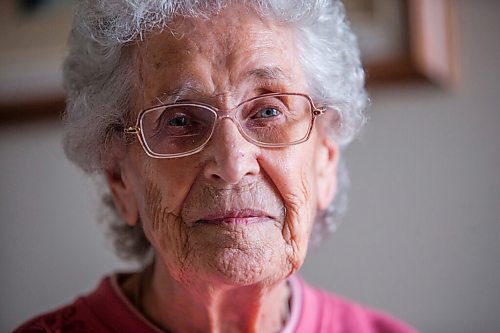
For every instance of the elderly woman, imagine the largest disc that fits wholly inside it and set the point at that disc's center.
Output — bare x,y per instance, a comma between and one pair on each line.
217,126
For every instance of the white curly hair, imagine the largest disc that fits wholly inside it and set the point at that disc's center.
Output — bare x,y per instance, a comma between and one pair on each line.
97,74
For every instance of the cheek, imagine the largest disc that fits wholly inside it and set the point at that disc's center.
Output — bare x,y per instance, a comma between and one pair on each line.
166,183
164,186
164,229
291,170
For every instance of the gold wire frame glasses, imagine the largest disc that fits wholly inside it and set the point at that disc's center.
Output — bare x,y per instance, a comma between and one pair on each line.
182,129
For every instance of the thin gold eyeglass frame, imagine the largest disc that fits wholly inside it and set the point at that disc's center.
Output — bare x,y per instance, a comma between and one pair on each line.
137,128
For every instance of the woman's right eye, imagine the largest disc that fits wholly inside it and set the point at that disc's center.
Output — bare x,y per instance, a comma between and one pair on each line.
179,121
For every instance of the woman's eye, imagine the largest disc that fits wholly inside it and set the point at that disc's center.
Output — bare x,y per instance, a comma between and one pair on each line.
267,113
179,121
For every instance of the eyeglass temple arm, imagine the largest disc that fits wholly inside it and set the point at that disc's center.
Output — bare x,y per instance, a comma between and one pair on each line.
318,111
132,130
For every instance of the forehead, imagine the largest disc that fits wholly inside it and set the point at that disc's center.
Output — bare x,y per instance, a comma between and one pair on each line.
226,54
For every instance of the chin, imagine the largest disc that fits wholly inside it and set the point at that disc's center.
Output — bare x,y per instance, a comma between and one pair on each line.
244,267
231,256
234,267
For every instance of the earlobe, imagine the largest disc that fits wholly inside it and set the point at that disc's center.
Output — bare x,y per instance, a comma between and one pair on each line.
326,169
123,195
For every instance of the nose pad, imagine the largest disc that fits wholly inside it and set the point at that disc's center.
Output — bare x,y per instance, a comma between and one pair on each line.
228,118
232,157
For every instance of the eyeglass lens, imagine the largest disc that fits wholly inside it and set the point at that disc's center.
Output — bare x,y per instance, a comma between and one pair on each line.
179,128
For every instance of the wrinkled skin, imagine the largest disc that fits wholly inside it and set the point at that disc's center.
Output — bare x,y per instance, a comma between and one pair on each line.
222,277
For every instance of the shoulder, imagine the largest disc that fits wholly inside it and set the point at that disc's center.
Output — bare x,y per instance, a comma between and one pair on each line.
104,310
69,318
75,317
330,313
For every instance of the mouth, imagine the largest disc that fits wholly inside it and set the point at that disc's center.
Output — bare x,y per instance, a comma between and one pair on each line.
236,217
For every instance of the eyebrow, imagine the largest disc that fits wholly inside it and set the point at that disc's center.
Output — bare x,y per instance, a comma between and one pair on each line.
191,87
172,96
274,73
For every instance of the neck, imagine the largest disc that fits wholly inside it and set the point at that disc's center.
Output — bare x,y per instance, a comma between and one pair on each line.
210,307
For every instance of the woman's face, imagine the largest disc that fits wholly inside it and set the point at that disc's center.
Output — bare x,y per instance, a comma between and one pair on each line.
233,213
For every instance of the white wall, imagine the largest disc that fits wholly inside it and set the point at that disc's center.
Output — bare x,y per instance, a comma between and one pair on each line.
421,240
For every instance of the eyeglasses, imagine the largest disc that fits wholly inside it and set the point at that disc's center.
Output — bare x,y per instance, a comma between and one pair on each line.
182,129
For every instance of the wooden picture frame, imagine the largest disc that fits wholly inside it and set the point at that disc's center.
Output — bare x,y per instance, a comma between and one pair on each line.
33,43
417,40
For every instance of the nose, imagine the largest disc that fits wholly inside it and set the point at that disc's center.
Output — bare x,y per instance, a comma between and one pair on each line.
231,156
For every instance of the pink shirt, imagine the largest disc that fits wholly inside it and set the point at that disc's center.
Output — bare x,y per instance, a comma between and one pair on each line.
106,310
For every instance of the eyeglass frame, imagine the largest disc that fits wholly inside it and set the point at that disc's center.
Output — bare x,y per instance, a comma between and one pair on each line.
137,128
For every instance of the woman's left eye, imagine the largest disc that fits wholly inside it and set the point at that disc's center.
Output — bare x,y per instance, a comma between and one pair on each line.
267,113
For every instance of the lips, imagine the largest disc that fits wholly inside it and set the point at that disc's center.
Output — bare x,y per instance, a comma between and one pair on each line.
246,216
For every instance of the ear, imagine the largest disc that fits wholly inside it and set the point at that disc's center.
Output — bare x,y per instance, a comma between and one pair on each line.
123,194
327,160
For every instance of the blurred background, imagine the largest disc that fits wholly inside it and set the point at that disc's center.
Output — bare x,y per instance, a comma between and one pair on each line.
421,239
